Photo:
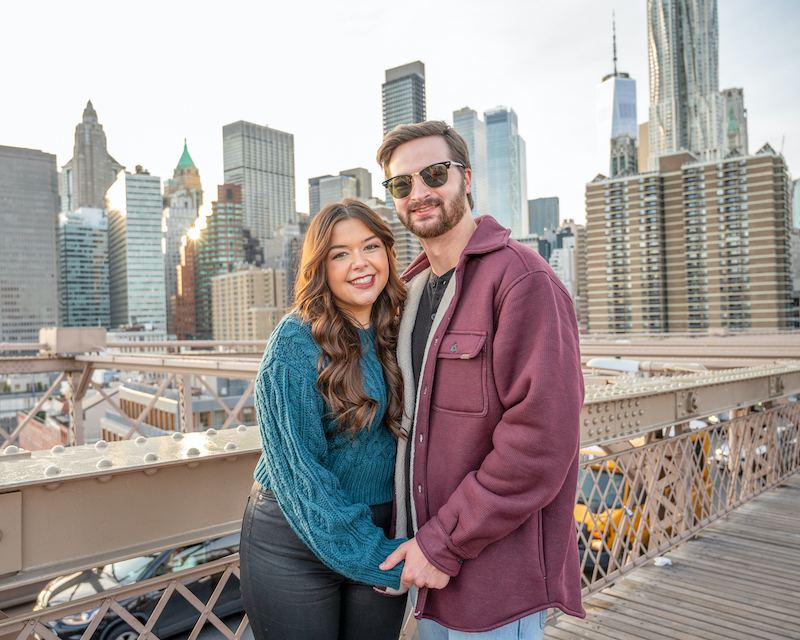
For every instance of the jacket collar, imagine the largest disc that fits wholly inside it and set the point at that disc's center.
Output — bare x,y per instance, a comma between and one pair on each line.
489,236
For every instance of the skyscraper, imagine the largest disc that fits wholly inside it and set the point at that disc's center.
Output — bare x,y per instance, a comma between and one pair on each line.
508,187
363,181
185,177
403,95
323,190
313,194
91,171
403,103
28,256
796,204
686,109
260,160
218,250
247,303
183,195
473,130
616,115
735,120
83,268
543,213
136,260
693,246
183,309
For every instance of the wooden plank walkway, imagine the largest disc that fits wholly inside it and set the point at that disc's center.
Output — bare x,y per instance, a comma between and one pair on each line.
739,579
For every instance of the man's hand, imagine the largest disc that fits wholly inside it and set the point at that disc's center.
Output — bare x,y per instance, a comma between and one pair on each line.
417,570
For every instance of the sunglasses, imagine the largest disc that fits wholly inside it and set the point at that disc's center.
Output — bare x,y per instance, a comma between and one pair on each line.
434,176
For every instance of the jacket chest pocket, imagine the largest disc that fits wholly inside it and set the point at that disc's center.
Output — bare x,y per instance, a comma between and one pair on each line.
459,384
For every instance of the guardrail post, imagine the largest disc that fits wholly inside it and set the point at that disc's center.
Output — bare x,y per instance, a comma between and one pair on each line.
185,403
76,435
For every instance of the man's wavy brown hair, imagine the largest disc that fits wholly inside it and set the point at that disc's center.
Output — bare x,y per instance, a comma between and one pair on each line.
335,330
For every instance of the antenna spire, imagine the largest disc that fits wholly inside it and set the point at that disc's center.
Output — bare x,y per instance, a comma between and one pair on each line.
614,31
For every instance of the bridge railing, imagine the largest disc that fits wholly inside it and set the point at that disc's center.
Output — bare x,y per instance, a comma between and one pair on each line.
637,503
649,481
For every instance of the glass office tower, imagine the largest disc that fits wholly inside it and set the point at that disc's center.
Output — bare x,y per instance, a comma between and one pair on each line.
508,189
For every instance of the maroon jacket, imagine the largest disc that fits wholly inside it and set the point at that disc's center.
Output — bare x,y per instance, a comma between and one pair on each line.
494,460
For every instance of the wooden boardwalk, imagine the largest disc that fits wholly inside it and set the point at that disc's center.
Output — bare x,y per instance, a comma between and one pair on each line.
739,579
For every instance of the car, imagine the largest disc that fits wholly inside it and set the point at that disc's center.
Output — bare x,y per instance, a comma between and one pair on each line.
603,498
178,615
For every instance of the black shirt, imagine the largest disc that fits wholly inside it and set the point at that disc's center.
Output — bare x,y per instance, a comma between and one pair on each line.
428,306
426,312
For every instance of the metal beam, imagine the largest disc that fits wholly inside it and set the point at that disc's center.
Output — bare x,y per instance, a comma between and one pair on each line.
86,506
223,368
37,364
12,438
632,407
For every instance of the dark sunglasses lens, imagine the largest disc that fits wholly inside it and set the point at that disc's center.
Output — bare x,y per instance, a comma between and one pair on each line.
400,186
435,175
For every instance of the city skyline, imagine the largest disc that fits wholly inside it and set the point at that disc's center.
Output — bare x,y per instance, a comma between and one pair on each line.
546,70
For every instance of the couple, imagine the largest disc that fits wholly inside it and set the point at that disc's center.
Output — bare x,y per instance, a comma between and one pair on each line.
438,451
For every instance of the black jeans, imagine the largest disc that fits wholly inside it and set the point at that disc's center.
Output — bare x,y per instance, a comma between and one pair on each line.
289,594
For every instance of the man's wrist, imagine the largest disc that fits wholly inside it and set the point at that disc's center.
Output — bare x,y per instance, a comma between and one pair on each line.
433,543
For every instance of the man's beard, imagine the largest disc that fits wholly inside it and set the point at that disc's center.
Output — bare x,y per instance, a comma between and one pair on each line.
449,216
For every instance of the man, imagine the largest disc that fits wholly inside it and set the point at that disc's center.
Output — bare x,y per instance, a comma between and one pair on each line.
489,351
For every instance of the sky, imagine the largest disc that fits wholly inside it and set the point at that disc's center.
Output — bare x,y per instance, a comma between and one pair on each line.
159,72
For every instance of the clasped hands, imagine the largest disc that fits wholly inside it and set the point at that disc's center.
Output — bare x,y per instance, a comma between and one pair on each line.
417,571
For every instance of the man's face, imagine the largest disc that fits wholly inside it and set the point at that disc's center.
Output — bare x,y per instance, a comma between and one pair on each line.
429,212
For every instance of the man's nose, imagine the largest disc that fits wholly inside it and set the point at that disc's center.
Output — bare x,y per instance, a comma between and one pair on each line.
419,190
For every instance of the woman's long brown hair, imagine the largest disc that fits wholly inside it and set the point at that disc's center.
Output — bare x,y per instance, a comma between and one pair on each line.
335,331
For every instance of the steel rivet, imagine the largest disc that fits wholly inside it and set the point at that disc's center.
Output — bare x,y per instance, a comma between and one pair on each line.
10,450
211,432
194,451
104,463
231,446
100,444
141,440
52,470
150,457
58,449
177,436
241,428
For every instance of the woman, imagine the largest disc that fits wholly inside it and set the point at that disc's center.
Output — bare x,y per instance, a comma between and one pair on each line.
329,403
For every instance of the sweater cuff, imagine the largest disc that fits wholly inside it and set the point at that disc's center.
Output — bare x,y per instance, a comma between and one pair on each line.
438,548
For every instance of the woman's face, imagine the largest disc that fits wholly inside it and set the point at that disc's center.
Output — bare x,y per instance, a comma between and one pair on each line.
356,268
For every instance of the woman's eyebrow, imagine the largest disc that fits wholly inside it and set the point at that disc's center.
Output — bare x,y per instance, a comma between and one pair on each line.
344,246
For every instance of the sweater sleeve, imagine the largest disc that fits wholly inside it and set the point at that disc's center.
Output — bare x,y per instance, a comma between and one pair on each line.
339,532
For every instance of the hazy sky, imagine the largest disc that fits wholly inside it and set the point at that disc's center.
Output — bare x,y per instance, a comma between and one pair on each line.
159,72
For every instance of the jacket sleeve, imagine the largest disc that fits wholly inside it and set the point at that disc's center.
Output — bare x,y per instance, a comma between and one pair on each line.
340,533
537,374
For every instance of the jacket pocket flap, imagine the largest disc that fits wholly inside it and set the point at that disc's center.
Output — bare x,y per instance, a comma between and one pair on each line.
461,346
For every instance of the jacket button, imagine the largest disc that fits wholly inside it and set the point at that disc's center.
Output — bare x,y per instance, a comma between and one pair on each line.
454,348
420,437
419,488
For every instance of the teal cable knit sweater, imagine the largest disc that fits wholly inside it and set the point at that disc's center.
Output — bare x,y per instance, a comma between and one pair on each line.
323,485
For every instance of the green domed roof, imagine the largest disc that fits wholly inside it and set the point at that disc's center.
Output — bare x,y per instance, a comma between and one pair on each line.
186,161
